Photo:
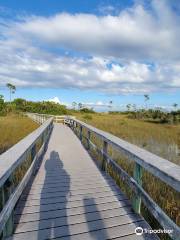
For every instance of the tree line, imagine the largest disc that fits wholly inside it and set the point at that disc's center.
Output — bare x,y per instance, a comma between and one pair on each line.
47,107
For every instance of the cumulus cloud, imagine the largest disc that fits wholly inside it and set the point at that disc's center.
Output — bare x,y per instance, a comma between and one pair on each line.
55,100
136,51
136,33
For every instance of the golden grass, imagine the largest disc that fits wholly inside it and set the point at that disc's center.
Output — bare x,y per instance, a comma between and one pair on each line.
13,128
161,139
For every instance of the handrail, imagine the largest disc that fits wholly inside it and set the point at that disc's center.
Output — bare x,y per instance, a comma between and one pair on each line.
40,118
167,171
163,169
10,161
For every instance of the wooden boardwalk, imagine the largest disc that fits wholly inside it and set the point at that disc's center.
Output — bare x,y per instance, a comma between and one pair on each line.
70,198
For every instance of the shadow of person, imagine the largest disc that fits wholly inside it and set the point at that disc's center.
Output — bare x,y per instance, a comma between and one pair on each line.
53,199
94,220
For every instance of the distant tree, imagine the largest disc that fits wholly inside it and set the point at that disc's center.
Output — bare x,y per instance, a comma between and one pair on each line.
110,104
1,102
128,106
87,110
20,104
134,107
2,105
80,106
74,104
12,90
146,99
175,106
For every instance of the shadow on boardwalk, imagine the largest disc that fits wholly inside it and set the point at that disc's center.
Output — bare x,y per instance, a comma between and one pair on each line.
94,225
54,172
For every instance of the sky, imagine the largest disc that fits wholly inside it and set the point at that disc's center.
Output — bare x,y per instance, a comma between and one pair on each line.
91,52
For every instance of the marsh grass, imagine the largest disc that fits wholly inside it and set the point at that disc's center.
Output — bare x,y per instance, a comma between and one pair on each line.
13,128
161,139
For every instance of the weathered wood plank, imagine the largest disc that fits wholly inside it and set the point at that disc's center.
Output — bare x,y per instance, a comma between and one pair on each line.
118,232
125,224
37,202
69,230
73,190
72,193
87,182
67,212
75,219
65,205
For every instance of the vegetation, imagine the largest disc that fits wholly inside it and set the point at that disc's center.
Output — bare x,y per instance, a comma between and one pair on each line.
13,128
22,105
12,90
155,115
87,110
161,139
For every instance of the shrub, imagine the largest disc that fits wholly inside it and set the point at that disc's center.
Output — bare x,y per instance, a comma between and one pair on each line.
87,110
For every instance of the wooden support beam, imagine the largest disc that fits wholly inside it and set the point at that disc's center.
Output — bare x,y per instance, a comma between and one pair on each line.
7,190
88,139
104,160
80,135
138,177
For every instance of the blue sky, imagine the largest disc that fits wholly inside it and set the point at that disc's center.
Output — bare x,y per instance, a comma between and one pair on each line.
91,51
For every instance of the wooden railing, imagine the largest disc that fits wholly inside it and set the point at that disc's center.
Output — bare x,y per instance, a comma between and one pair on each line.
40,118
17,165
161,168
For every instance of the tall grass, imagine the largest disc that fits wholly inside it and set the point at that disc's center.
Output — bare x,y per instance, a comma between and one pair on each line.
161,139
13,128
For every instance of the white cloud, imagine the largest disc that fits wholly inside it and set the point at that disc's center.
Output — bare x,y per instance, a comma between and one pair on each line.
136,33
55,100
96,104
136,51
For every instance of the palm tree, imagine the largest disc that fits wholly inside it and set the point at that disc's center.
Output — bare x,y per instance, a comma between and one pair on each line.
128,106
80,105
74,104
11,88
110,104
175,106
146,98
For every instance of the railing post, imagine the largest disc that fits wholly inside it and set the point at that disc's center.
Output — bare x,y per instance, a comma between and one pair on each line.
138,177
80,136
75,126
88,139
105,148
6,192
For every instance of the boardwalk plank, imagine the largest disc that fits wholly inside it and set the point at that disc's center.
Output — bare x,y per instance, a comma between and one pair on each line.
82,202
78,228
74,219
37,202
70,198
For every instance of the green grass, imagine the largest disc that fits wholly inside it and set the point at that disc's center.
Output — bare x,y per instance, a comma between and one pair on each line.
13,128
